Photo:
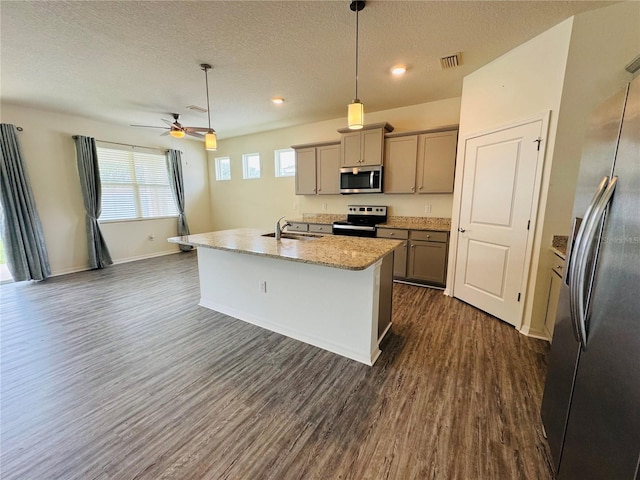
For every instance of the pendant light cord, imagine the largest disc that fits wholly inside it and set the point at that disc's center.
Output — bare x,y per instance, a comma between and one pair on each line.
357,35
206,81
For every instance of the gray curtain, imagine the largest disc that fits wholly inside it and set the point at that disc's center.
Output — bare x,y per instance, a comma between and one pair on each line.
89,173
174,167
24,245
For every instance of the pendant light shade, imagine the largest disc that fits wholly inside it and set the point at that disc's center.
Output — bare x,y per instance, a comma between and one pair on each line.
210,138
355,115
355,112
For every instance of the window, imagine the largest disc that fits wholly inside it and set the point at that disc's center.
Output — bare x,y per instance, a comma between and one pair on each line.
250,165
285,163
135,184
223,168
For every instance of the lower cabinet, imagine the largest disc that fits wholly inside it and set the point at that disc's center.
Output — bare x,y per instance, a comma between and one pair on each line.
322,228
422,257
557,271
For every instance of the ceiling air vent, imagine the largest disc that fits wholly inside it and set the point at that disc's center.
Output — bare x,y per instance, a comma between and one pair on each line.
197,108
451,61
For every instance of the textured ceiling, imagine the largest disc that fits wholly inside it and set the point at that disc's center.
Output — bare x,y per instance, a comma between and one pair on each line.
133,62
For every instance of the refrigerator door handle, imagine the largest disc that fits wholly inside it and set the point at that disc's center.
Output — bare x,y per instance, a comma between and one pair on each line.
575,256
590,234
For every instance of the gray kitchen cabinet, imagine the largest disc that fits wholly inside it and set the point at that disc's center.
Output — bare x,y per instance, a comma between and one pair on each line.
305,171
557,271
298,227
363,147
422,257
317,168
324,228
400,253
436,162
400,160
328,169
427,262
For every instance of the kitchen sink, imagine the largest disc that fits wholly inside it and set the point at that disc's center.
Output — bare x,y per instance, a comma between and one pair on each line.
293,236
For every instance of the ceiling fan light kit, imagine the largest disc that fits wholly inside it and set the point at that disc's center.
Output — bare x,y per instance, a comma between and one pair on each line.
355,111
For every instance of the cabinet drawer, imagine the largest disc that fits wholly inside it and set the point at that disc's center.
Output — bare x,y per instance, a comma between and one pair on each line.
558,266
429,236
320,228
298,227
392,233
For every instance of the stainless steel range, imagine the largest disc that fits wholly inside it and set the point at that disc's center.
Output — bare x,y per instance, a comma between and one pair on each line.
361,220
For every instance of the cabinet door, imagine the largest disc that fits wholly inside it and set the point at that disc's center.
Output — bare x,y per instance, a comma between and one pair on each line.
552,303
400,164
436,161
306,171
400,260
328,174
428,261
350,149
372,146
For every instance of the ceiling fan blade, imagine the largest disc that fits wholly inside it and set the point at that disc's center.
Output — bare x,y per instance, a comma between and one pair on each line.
193,134
195,129
147,126
164,134
166,121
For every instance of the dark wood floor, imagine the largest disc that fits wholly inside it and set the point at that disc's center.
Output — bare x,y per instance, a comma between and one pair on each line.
118,374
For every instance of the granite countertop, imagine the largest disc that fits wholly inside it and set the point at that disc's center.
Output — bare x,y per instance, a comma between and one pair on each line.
348,253
321,218
418,223
559,246
407,223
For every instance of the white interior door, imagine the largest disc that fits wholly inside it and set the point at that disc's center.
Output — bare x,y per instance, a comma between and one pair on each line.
496,201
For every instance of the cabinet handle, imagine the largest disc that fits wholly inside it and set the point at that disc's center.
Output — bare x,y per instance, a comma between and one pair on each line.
413,189
413,246
420,188
392,234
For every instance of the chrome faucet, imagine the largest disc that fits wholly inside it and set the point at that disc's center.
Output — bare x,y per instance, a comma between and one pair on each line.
280,228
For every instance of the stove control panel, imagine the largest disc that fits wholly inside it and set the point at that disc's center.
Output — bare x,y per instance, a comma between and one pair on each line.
378,210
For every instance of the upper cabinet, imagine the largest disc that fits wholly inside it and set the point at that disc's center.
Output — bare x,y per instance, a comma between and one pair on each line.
328,169
436,161
317,168
422,162
363,147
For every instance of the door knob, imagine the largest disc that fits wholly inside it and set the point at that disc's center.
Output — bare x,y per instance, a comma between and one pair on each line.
461,230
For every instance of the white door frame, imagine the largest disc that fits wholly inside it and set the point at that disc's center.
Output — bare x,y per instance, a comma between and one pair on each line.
544,117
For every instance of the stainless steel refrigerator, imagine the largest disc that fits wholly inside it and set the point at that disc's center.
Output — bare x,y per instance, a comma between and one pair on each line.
591,404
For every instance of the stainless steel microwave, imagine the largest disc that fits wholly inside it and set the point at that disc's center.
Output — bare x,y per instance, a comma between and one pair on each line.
361,179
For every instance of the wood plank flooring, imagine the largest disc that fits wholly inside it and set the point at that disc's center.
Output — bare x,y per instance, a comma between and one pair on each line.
119,374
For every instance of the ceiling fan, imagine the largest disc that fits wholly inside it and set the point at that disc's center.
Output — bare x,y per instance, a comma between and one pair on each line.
176,129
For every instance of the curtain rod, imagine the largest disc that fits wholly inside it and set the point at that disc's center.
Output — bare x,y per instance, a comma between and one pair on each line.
127,144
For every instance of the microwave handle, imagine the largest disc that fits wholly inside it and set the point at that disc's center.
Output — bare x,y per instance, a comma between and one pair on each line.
371,177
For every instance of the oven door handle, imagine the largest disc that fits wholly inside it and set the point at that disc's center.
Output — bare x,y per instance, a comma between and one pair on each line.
354,227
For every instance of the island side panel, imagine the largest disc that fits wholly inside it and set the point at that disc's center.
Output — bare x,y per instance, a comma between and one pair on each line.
331,308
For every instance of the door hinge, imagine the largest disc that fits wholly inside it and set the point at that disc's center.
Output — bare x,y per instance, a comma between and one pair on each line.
539,141
518,296
528,224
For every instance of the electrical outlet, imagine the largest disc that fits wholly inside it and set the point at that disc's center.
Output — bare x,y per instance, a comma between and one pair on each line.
324,207
427,208
263,286
295,206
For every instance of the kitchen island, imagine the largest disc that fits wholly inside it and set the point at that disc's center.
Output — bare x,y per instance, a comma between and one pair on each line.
332,292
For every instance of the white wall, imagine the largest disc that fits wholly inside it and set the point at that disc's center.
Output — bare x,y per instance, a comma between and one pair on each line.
258,203
49,154
602,42
566,70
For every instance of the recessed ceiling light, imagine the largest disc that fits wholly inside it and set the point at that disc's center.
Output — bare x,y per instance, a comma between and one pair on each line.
398,70
277,100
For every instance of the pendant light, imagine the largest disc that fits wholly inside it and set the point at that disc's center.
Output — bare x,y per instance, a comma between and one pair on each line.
355,112
210,138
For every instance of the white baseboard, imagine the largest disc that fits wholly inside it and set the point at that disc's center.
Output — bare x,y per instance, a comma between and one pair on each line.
534,333
67,271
